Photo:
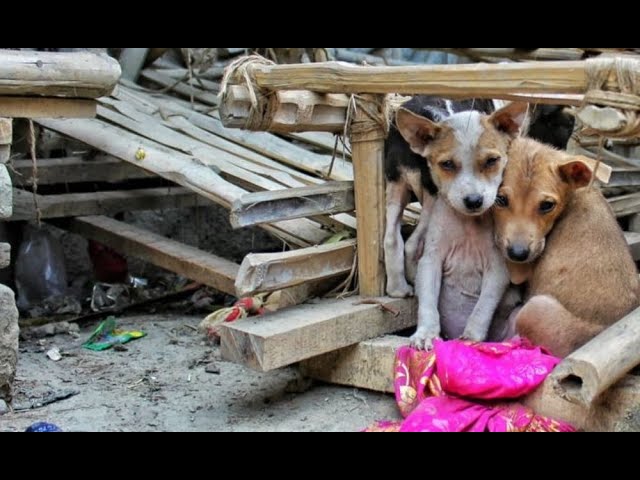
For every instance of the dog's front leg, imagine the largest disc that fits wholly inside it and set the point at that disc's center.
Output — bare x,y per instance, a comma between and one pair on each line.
428,285
415,245
495,282
397,199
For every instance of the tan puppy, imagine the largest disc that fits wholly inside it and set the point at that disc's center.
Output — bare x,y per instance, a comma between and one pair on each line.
559,234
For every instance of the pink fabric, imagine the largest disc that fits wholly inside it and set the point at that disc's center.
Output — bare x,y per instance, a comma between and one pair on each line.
428,392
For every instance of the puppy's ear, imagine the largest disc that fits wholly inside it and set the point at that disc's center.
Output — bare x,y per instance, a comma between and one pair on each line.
416,130
510,119
578,171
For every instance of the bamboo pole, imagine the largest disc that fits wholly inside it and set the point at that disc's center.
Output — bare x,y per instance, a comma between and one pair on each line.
472,80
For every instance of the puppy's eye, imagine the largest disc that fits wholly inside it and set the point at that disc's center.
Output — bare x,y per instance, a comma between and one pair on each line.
547,206
502,201
448,165
491,162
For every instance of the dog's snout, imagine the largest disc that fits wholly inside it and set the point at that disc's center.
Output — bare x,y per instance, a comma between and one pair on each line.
518,253
473,202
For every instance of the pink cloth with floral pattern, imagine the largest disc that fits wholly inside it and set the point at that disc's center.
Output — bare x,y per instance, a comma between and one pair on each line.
433,396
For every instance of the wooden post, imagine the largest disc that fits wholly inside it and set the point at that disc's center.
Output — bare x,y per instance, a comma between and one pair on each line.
367,140
591,370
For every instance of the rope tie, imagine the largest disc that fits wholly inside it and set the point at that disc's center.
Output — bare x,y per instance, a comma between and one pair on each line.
627,100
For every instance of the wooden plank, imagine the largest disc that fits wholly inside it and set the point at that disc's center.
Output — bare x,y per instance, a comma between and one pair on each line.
182,259
177,167
368,163
6,197
269,272
469,80
177,121
75,75
517,54
267,207
369,364
633,240
626,204
33,107
624,178
131,61
103,203
52,171
264,143
6,131
5,255
294,334
589,371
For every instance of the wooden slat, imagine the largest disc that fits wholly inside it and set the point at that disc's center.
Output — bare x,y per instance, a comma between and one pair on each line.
267,207
625,204
75,75
177,167
294,334
33,107
177,257
53,171
633,240
103,203
269,272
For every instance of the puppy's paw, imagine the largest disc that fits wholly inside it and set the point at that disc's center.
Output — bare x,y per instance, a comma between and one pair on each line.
399,290
423,340
474,334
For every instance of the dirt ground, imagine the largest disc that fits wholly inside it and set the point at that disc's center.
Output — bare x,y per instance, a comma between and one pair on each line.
160,384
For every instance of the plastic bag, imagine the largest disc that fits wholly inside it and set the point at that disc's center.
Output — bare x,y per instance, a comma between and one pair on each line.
40,272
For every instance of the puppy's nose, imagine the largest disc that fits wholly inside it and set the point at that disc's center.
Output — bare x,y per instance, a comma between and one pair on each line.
518,253
473,202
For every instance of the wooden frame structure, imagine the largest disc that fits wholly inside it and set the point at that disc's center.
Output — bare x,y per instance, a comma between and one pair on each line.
277,340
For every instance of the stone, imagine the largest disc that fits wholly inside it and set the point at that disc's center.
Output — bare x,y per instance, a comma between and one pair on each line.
9,332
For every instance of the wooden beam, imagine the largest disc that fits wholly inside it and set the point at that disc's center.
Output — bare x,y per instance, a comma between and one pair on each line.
294,334
34,107
52,171
589,371
103,203
5,255
267,207
624,178
177,257
368,364
287,111
469,80
626,204
367,140
76,74
268,272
